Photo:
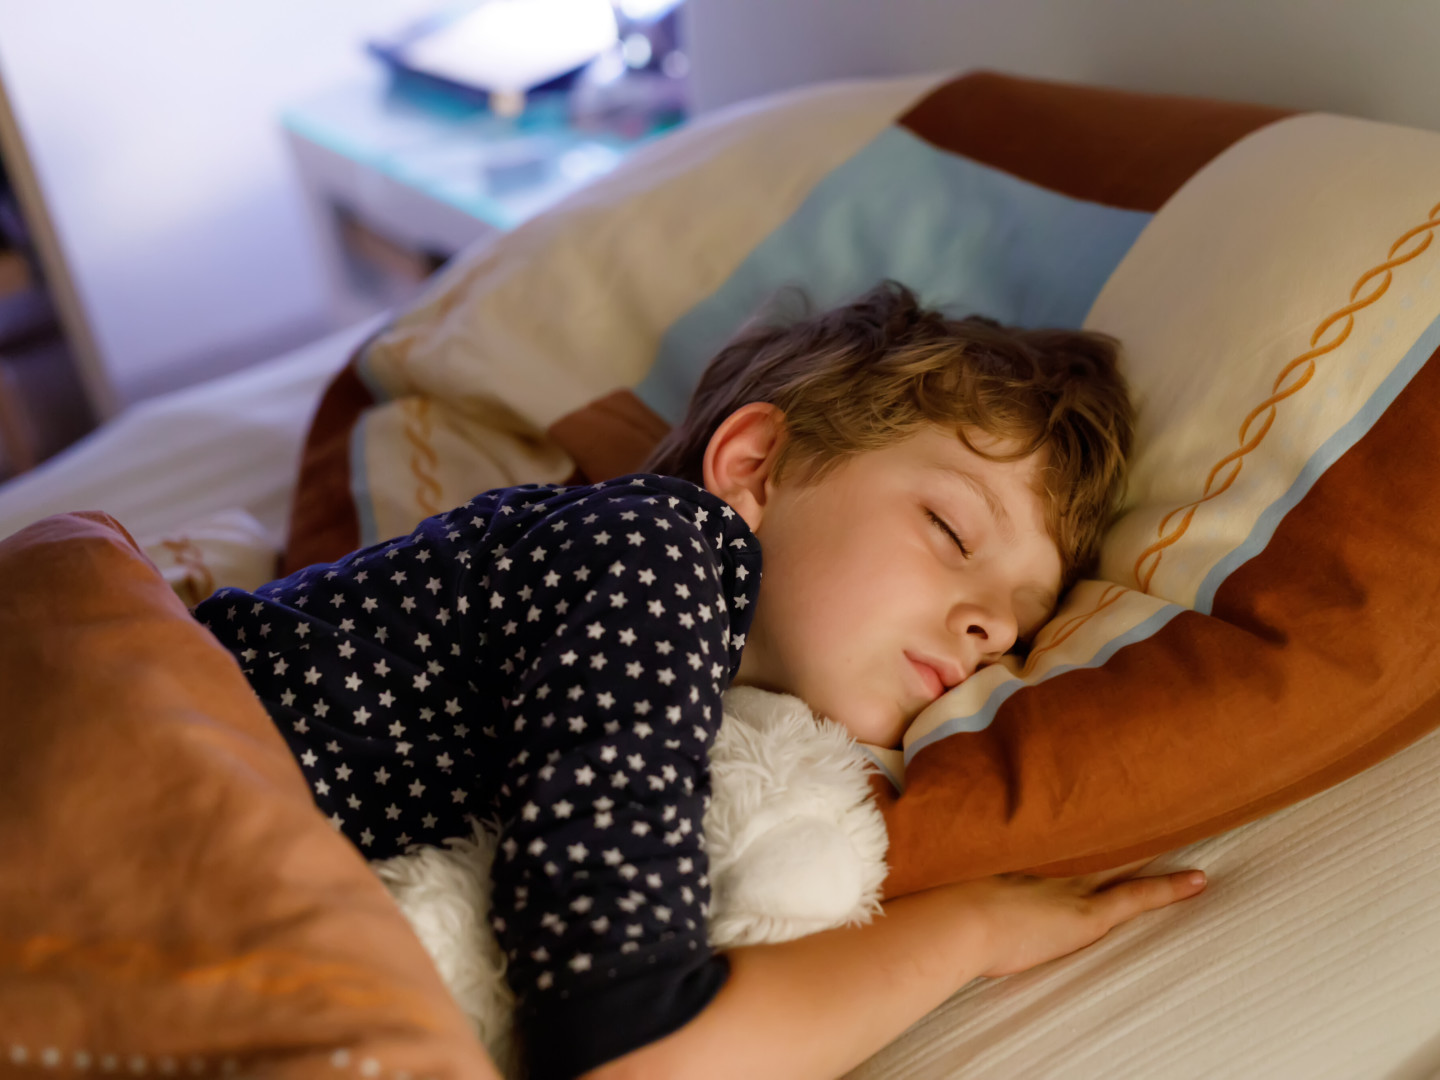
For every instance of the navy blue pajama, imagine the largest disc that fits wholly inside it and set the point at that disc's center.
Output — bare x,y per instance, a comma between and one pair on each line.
550,659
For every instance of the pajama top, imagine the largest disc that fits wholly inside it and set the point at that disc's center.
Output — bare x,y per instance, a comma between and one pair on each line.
551,660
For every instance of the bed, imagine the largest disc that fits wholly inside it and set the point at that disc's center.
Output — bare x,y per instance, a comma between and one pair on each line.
1315,951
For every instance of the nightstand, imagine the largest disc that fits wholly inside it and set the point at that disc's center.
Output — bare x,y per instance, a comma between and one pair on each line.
398,179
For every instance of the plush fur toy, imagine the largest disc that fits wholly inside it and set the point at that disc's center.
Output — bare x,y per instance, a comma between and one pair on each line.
796,845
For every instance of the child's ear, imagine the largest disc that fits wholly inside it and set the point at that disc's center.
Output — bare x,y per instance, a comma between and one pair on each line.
740,459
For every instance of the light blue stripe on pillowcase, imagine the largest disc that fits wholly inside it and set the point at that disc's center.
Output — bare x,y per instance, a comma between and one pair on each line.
967,238
981,720
896,782
1331,451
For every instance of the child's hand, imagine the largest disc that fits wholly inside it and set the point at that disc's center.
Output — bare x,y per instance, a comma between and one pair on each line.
1029,920
853,989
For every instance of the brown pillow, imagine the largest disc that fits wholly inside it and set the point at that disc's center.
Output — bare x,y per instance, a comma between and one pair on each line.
170,899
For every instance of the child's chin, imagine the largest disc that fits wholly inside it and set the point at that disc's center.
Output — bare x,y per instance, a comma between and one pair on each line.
884,731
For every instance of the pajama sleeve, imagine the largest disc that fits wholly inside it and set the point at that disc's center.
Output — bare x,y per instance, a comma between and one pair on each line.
362,667
615,622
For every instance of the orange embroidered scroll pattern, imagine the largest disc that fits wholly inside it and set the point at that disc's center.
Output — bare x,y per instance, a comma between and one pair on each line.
423,458
1293,377
1067,629
1149,559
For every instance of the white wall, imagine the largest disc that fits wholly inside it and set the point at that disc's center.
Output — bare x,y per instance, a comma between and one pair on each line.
152,123
152,126
1370,58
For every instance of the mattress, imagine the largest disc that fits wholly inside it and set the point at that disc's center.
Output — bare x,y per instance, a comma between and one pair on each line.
1315,952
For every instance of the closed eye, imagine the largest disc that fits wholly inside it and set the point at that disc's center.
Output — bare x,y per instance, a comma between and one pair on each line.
940,524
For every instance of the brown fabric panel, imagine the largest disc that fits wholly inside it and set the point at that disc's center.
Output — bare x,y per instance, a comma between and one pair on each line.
1122,149
1320,659
324,524
610,437
167,887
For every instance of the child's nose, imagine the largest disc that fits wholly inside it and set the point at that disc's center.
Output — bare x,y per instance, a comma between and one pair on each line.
987,630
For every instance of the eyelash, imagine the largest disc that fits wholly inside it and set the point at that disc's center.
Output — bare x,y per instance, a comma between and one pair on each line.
939,523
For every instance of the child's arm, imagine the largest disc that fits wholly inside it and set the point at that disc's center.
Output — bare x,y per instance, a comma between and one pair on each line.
820,1005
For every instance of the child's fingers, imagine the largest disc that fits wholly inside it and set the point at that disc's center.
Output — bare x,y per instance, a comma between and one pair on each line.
1103,878
1124,901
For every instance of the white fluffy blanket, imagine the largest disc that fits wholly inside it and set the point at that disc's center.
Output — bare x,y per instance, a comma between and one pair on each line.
796,845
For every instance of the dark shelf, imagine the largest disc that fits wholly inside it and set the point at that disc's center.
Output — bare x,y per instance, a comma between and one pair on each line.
43,407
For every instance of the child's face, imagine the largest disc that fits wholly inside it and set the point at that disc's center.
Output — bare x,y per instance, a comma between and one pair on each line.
868,609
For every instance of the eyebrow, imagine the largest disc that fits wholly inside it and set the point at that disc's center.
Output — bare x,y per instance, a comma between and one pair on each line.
975,484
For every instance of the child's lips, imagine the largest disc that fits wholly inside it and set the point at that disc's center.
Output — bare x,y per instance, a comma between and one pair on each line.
930,677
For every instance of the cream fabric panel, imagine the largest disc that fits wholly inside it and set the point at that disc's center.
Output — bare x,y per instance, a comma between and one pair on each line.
1095,618
1273,252
415,457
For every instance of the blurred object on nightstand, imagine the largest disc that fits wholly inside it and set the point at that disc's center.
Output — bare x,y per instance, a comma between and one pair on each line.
402,172
496,51
644,80
43,406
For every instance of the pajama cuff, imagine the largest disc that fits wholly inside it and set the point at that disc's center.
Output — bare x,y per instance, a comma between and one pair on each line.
566,1036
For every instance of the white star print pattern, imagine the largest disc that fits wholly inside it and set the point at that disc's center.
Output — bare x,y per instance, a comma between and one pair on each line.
552,658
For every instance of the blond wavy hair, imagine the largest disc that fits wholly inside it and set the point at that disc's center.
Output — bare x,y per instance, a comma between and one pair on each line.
873,372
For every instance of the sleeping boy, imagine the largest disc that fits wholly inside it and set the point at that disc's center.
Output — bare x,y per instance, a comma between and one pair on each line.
920,491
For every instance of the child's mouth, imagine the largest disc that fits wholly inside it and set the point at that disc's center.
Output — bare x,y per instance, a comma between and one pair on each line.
929,677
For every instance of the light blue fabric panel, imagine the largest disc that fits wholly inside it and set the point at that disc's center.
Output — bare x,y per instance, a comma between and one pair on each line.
967,238
1330,452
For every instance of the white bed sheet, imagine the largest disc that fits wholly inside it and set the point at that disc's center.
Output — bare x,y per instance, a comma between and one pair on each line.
1314,954
230,444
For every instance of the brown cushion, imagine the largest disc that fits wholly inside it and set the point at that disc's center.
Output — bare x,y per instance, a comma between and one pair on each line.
170,899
